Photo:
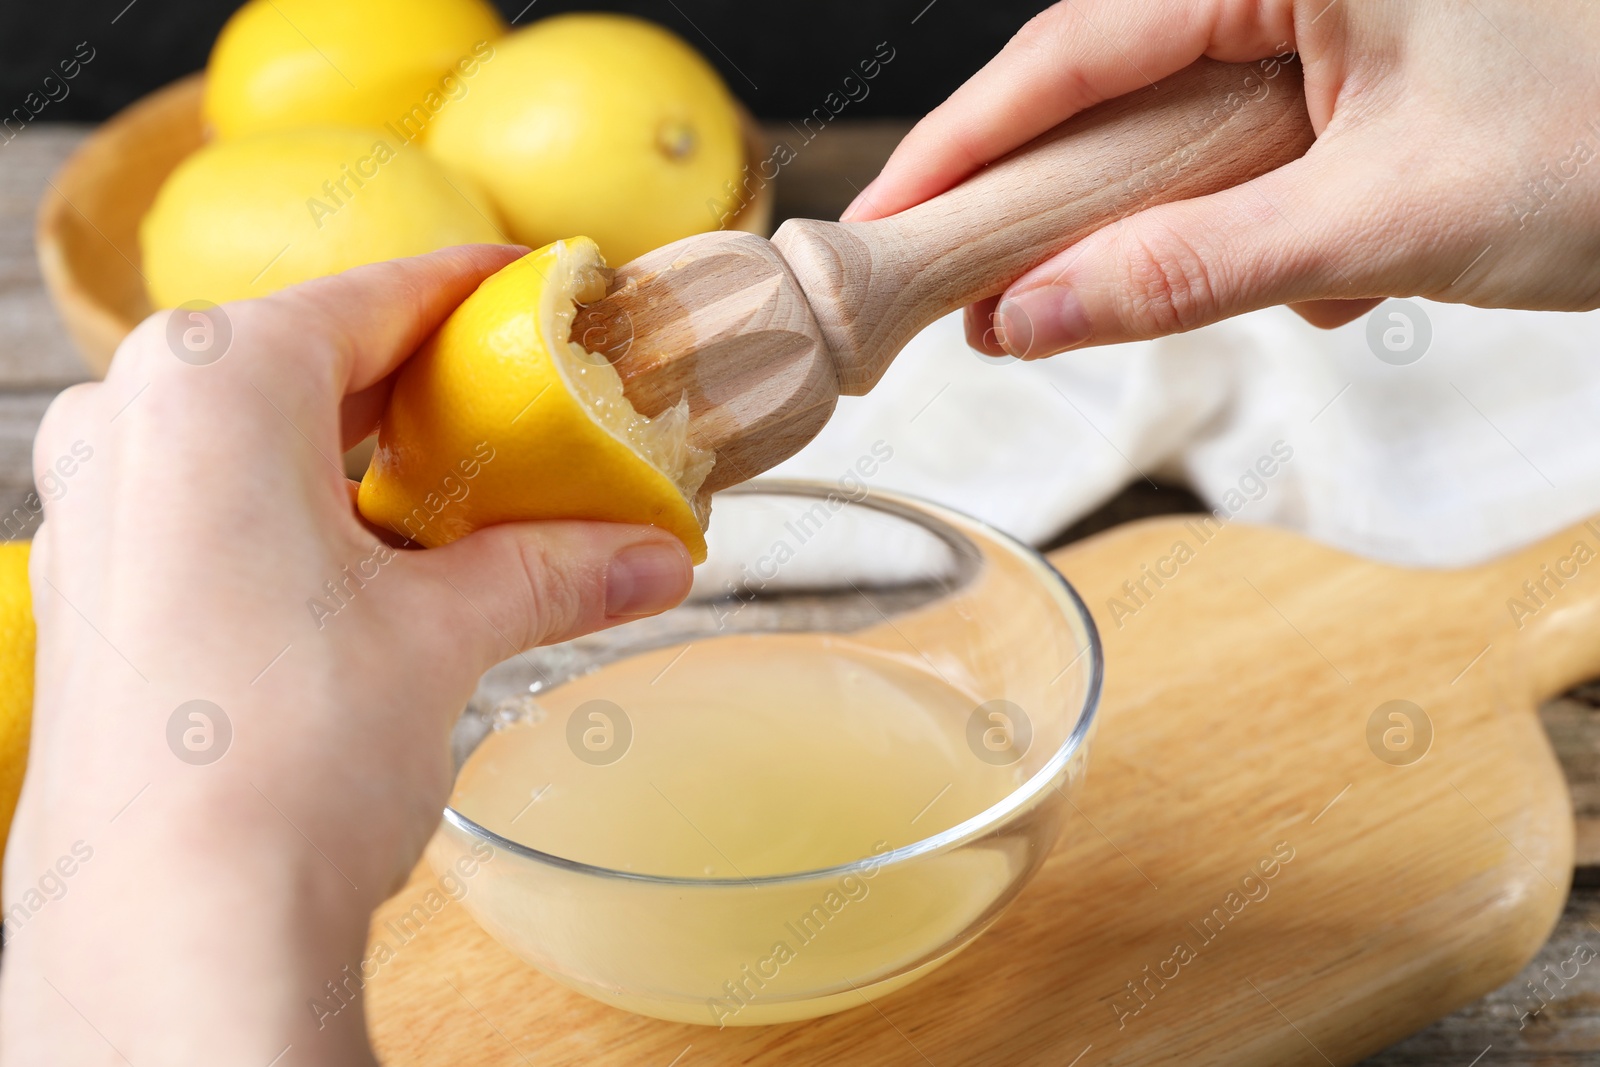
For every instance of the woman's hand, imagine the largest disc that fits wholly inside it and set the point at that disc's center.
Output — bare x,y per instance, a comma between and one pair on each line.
1457,158
235,848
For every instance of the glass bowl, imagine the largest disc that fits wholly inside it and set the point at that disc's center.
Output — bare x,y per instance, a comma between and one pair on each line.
815,570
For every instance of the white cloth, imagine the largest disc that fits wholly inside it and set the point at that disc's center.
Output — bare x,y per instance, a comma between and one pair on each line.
1488,441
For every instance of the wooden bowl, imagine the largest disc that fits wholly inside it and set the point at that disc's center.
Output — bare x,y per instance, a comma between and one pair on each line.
87,231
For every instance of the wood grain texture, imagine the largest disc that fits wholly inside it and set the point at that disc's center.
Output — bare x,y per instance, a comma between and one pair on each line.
1499,1031
88,223
709,301
1235,722
34,351
1573,723
21,510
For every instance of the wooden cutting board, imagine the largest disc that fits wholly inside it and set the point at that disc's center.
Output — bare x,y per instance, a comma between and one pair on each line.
1234,733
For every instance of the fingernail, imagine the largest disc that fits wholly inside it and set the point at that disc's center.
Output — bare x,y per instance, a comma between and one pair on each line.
978,328
1043,321
982,333
849,213
647,578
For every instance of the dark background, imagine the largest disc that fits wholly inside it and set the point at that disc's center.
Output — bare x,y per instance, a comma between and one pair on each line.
780,56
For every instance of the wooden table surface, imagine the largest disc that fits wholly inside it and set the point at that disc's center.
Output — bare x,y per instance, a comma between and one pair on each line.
37,361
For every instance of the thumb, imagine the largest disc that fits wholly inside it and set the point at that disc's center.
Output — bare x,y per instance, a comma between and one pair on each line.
517,585
1284,237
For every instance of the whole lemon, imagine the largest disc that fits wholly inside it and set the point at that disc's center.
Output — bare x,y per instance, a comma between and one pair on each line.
598,124
243,218
283,64
16,677
501,417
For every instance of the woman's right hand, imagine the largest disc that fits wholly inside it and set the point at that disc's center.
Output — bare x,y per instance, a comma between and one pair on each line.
1457,158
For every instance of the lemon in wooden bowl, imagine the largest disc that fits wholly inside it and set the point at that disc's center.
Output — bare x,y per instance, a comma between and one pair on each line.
604,125
287,64
245,217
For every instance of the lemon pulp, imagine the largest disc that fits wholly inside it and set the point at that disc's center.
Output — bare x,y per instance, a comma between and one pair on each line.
662,439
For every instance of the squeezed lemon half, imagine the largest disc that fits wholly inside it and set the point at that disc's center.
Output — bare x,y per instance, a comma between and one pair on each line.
501,418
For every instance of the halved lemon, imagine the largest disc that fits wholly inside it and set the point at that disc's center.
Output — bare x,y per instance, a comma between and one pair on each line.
501,418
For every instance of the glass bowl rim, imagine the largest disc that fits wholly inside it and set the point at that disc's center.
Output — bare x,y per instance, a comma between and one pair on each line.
937,519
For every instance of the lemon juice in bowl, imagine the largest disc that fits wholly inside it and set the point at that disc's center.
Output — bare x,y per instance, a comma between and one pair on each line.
796,792
749,756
